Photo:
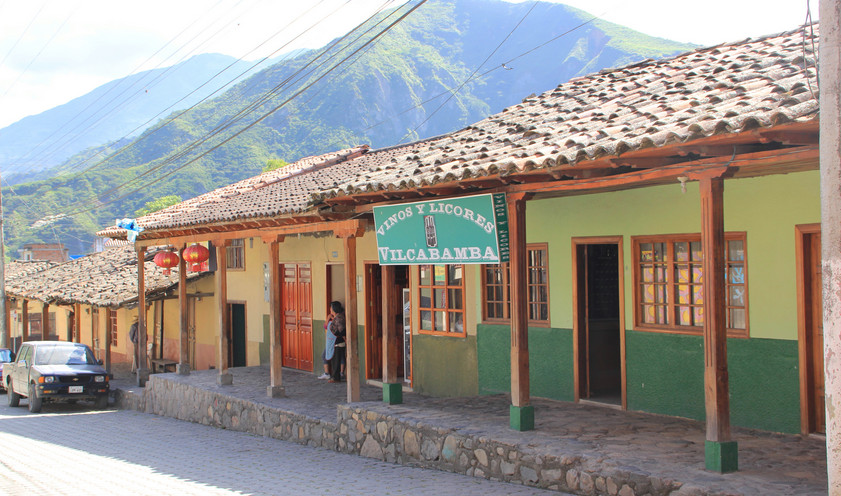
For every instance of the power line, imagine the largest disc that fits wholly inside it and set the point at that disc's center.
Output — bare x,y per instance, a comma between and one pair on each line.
31,21
261,118
99,98
244,111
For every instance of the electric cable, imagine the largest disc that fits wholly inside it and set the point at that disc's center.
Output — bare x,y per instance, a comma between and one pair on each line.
260,119
241,114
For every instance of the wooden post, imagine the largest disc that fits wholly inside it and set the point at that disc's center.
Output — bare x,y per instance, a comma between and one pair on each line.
109,328
8,334
275,388
77,323
721,453
142,367
24,315
183,366
352,349
392,388
521,411
45,322
224,378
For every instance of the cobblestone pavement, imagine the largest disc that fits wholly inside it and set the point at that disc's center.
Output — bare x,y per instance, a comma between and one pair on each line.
669,447
72,450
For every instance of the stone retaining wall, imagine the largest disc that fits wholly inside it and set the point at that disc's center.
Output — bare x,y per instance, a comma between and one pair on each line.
364,431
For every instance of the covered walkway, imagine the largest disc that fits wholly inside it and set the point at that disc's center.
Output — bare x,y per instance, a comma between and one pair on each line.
579,448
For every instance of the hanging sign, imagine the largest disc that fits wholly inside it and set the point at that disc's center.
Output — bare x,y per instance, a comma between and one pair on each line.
465,230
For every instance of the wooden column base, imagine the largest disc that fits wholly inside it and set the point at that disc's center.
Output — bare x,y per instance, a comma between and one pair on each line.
393,393
142,376
275,391
182,368
721,457
522,418
224,379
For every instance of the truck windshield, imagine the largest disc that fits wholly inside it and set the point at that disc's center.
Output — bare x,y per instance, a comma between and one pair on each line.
62,354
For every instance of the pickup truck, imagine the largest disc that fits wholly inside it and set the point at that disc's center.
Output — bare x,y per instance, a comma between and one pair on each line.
55,371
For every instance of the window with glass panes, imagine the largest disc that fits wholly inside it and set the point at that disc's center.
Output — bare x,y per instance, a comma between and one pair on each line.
236,254
670,276
496,287
441,299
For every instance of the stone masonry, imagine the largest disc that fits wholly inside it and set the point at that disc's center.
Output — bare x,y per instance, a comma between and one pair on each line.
363,430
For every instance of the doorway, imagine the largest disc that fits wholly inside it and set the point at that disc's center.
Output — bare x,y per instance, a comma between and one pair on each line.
598,334
296,333
810,329
236,335
374,318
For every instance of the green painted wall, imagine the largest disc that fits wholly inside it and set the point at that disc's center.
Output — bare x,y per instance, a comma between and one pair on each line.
665,375
444,366
550,361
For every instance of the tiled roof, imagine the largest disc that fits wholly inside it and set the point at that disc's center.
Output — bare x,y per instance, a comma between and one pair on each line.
281,191
712,91
20,268
107,278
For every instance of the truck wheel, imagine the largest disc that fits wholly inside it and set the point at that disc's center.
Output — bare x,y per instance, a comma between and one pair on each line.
34,400
14,398
101,402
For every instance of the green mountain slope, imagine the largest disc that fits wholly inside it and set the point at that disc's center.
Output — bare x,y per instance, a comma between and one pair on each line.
390,93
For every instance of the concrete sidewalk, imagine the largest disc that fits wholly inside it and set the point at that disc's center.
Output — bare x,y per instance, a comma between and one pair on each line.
579,448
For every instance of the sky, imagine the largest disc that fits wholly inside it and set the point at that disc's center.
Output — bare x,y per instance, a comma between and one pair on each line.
52,51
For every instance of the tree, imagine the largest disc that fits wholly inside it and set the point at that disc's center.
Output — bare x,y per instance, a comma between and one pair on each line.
275,163
157,204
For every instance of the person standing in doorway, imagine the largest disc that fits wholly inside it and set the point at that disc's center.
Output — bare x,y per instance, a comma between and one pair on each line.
132,335
336,325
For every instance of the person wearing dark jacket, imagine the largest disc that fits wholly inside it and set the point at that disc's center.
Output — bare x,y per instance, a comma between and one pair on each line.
336,325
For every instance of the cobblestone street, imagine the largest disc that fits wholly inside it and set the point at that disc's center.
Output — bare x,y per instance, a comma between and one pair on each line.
72,450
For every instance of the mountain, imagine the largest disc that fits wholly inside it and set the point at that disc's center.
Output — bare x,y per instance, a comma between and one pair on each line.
388,92
121,107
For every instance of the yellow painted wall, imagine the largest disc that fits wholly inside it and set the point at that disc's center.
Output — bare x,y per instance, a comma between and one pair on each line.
246,286
767,208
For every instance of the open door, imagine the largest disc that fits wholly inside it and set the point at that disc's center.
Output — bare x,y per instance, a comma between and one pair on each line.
810,329
236,337
599,321
374,319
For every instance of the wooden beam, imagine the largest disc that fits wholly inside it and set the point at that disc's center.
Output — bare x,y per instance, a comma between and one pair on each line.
77,322
224,378
352,346
45,321
523,419
716,381
109,328
142,367
164,237
275,388
183,366
24,315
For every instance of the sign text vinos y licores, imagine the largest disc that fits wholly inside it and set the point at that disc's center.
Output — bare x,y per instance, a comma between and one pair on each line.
465,230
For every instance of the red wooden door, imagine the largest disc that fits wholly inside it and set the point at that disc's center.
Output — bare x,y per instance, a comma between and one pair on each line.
296,334
374,322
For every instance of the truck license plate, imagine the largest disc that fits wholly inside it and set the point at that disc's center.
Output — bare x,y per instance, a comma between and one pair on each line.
75,389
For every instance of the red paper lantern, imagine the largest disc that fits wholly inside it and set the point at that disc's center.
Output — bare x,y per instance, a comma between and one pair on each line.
167,260
196,254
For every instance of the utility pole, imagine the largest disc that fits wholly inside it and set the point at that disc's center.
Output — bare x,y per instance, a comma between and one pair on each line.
830,159
4,332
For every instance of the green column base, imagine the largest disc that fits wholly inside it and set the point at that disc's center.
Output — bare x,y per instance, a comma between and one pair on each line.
721,457
522,418
393,393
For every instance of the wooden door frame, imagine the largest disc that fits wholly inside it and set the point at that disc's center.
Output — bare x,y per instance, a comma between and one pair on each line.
801,231
598,240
